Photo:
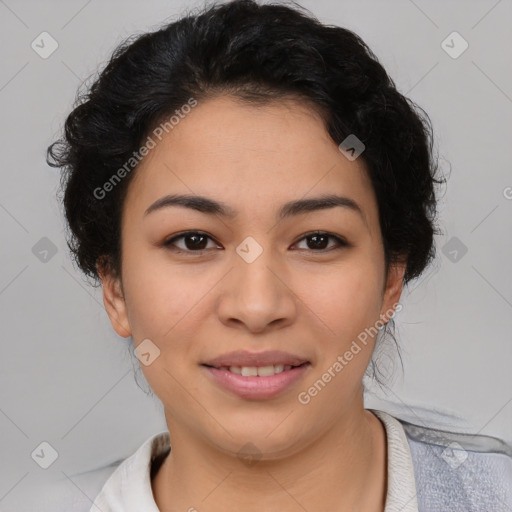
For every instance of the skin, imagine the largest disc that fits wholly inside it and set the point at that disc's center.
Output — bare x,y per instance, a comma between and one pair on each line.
329,454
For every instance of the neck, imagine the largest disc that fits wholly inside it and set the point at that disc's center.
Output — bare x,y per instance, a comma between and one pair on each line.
345,468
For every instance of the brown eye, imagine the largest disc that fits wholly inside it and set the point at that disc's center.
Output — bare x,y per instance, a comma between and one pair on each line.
319,241
194,241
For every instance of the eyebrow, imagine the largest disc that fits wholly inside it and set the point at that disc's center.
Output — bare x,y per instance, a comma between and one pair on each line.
212,207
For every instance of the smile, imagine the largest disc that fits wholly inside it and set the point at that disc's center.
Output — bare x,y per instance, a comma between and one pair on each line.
257,382
261,371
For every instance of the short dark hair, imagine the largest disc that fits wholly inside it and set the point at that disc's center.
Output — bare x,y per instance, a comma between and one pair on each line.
257,53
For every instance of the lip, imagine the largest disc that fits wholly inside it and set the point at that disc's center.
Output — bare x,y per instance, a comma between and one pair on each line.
257,388
245,358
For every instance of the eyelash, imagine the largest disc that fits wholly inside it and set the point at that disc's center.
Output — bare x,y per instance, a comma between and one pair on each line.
342,243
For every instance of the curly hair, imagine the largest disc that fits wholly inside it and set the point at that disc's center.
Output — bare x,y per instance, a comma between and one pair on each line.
257,53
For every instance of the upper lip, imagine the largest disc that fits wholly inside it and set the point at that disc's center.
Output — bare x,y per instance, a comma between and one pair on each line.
245,358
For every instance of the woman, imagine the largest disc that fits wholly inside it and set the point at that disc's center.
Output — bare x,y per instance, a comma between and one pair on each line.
253,193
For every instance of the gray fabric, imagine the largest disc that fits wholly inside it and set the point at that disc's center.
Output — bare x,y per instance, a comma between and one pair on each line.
474,475
460,472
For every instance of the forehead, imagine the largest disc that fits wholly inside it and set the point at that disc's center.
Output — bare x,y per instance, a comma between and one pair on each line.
248,156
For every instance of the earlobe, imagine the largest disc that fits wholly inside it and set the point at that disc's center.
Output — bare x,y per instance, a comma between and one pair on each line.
115,304
393,288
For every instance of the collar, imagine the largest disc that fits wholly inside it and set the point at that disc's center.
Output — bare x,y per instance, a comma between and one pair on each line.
401,493
129,487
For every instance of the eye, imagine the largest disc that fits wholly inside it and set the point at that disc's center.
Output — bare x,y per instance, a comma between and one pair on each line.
197,241
194,241
319,239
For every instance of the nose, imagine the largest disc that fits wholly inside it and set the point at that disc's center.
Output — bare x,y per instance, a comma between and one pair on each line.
257,296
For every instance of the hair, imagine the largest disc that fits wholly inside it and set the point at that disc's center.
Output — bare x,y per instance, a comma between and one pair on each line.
257,54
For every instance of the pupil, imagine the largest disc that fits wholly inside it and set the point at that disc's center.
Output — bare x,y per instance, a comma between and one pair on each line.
315,244
194,245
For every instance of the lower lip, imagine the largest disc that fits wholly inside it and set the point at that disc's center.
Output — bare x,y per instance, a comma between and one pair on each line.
257,388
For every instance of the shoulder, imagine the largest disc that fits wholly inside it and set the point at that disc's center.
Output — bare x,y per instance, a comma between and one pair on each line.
63,492
124,485
459,471
129,486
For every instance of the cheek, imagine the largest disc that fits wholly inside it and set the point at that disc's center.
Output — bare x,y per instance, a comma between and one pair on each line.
164,307
347,301
158,294
160,304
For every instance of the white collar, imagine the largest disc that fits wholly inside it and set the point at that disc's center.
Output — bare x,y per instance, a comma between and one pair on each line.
401,493
128,489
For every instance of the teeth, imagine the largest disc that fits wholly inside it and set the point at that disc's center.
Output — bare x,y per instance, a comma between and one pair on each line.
249,371
266,371
261,371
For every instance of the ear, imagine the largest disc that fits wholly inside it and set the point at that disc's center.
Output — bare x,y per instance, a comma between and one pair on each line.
114,301
392,289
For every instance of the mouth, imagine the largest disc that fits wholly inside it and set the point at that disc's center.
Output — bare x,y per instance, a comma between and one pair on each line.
258,371
257,382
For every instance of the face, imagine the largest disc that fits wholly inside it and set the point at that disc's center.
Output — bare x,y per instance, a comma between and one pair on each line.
199,281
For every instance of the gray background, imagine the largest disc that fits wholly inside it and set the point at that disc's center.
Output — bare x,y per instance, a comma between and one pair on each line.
68,379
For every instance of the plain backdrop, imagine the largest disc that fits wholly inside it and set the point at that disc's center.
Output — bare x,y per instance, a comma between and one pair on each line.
67,378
